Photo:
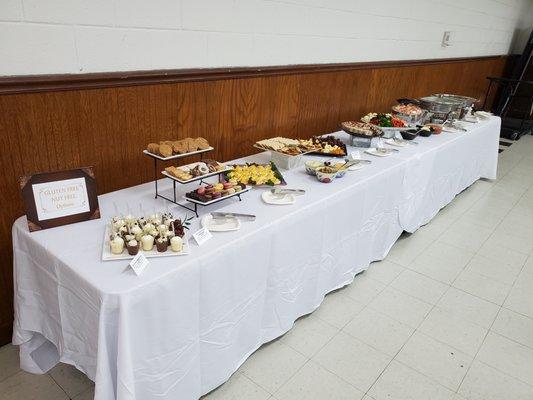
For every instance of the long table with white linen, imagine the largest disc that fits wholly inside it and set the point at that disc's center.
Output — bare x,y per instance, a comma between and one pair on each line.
187,323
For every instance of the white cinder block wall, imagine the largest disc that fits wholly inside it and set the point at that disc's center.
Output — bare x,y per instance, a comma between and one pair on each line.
79,36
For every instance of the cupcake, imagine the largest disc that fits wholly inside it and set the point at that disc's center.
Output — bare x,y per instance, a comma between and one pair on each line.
148,227
117,245
147,242
133,247
137,232
161,243
176,244
162,229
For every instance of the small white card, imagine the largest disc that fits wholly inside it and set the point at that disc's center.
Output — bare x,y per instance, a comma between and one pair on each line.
355,155
201,236
139,263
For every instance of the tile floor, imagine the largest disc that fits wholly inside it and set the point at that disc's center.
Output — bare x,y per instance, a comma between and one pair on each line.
448,315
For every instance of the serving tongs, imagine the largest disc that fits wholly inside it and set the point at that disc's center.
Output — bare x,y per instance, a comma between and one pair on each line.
224,215
279,191
453,124
386,150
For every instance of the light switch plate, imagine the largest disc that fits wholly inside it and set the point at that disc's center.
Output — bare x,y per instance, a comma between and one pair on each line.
446,37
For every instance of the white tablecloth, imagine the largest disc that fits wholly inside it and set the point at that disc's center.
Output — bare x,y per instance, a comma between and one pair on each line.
187,323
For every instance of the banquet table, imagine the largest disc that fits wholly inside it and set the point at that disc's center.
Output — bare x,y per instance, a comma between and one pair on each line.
183,326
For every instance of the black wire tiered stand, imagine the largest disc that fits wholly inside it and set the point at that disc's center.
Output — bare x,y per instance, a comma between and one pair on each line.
199,179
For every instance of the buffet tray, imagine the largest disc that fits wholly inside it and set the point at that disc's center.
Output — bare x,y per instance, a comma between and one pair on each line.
108,256
319,153
176,156
360,135
197,178
279,152
274,168
247,189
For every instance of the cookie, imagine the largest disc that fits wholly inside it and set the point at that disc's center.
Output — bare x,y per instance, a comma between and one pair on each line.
179,147
165,150
153,148
201,143
191,144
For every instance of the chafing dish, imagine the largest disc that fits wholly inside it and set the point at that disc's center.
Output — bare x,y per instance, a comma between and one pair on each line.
466,103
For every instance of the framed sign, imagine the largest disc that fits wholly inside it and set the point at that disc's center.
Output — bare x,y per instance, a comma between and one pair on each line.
59,198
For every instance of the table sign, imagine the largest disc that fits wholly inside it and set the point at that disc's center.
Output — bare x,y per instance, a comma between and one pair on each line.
59,198
355,155
201,236
139,263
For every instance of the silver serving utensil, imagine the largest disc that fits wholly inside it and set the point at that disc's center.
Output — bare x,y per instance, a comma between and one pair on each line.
279,191
362,161
221,215
387,150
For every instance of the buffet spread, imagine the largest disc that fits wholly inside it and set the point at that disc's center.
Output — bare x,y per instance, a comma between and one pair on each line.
211,308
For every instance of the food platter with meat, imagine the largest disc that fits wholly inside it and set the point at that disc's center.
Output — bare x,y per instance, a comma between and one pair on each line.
361,129
329,146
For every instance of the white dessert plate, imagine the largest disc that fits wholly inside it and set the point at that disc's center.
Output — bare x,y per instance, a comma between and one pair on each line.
220,224
397,142
196,178
277,199
248,188
175,156
358,166
379,152
108,256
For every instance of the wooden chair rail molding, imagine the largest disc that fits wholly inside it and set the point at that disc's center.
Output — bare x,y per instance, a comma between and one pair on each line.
54,83
52,123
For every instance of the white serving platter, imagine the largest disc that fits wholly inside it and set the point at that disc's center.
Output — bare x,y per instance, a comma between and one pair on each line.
175,156
220,225
248,188
108,256
285,199
383,153
197,178
357,166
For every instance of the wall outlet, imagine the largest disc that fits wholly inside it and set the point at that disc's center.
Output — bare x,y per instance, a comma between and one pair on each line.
446,39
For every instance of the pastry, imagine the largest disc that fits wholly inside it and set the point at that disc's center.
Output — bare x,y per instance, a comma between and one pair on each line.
117,245
133,247
179,147
201,143
147,242
137,232
148,227
153,148
176,244
191,144
161,244
165,150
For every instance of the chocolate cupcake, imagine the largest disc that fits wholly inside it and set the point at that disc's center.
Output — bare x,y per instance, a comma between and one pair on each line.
161,244
133,247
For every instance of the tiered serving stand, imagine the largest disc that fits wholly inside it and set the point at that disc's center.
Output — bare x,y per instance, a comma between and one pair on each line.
199,179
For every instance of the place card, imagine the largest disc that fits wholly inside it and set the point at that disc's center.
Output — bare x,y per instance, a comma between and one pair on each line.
355,155
201,236
139,263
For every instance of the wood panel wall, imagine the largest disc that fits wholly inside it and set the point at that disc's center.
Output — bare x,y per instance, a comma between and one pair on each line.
109,127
